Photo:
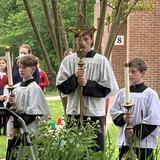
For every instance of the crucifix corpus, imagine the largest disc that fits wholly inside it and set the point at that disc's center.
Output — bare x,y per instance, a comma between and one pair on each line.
79,31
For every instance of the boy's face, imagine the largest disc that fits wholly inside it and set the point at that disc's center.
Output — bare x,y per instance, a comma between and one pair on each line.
86,43
135,75
23,51
26,72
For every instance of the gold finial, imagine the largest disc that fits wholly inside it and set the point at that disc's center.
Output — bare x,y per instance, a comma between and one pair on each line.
5,47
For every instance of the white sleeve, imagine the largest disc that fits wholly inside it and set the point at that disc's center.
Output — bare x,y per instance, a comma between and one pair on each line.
6,91
117,107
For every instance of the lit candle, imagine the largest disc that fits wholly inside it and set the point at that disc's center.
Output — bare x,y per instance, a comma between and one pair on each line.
126,72
9,69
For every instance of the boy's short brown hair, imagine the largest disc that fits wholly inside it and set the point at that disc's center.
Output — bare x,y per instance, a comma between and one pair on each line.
87,31
27,46
139,63
3,58
28,61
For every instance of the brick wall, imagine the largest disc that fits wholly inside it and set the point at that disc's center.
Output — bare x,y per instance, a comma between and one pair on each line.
142,39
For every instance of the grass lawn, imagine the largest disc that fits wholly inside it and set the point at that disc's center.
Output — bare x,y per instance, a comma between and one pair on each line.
50,91
56,110
3,141
111,138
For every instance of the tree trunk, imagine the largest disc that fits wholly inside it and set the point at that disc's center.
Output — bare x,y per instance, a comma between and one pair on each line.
57,28
84,11
114,28
118,18
63,33
100,29
51,29
40,42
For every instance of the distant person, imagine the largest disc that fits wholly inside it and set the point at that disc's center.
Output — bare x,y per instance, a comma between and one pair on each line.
24,50
30,102
43,78
144,115
3,83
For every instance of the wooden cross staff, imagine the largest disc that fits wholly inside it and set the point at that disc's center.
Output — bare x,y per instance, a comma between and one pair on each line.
79,30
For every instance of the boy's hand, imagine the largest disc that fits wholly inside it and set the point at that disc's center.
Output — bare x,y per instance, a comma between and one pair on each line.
80,74
82,81
128,117
1,98
11,99
129,133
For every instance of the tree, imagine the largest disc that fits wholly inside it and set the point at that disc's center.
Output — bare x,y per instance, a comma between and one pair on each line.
49,20
55,27
120,11
40,41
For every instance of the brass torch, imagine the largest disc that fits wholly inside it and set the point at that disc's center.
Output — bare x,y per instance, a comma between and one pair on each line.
9,73
130,155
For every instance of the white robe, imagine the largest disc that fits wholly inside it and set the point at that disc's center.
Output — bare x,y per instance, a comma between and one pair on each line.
97,69
146,110
29,100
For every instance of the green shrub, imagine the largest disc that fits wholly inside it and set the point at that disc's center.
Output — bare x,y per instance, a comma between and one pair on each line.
68,143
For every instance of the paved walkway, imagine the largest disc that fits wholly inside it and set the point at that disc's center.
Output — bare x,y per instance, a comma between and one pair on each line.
108,119
53,98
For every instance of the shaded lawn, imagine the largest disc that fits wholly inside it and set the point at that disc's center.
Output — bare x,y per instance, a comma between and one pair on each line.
56,110
3,141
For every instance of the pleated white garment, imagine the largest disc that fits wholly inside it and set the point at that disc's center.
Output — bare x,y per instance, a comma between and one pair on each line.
97,69
30,100
146,109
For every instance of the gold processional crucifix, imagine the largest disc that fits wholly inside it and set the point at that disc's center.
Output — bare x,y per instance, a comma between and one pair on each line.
79,31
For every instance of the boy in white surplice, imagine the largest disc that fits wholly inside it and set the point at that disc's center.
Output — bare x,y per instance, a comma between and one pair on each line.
29,101
96,78
144,115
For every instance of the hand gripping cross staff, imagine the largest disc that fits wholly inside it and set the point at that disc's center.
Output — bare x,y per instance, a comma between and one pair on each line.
79,31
